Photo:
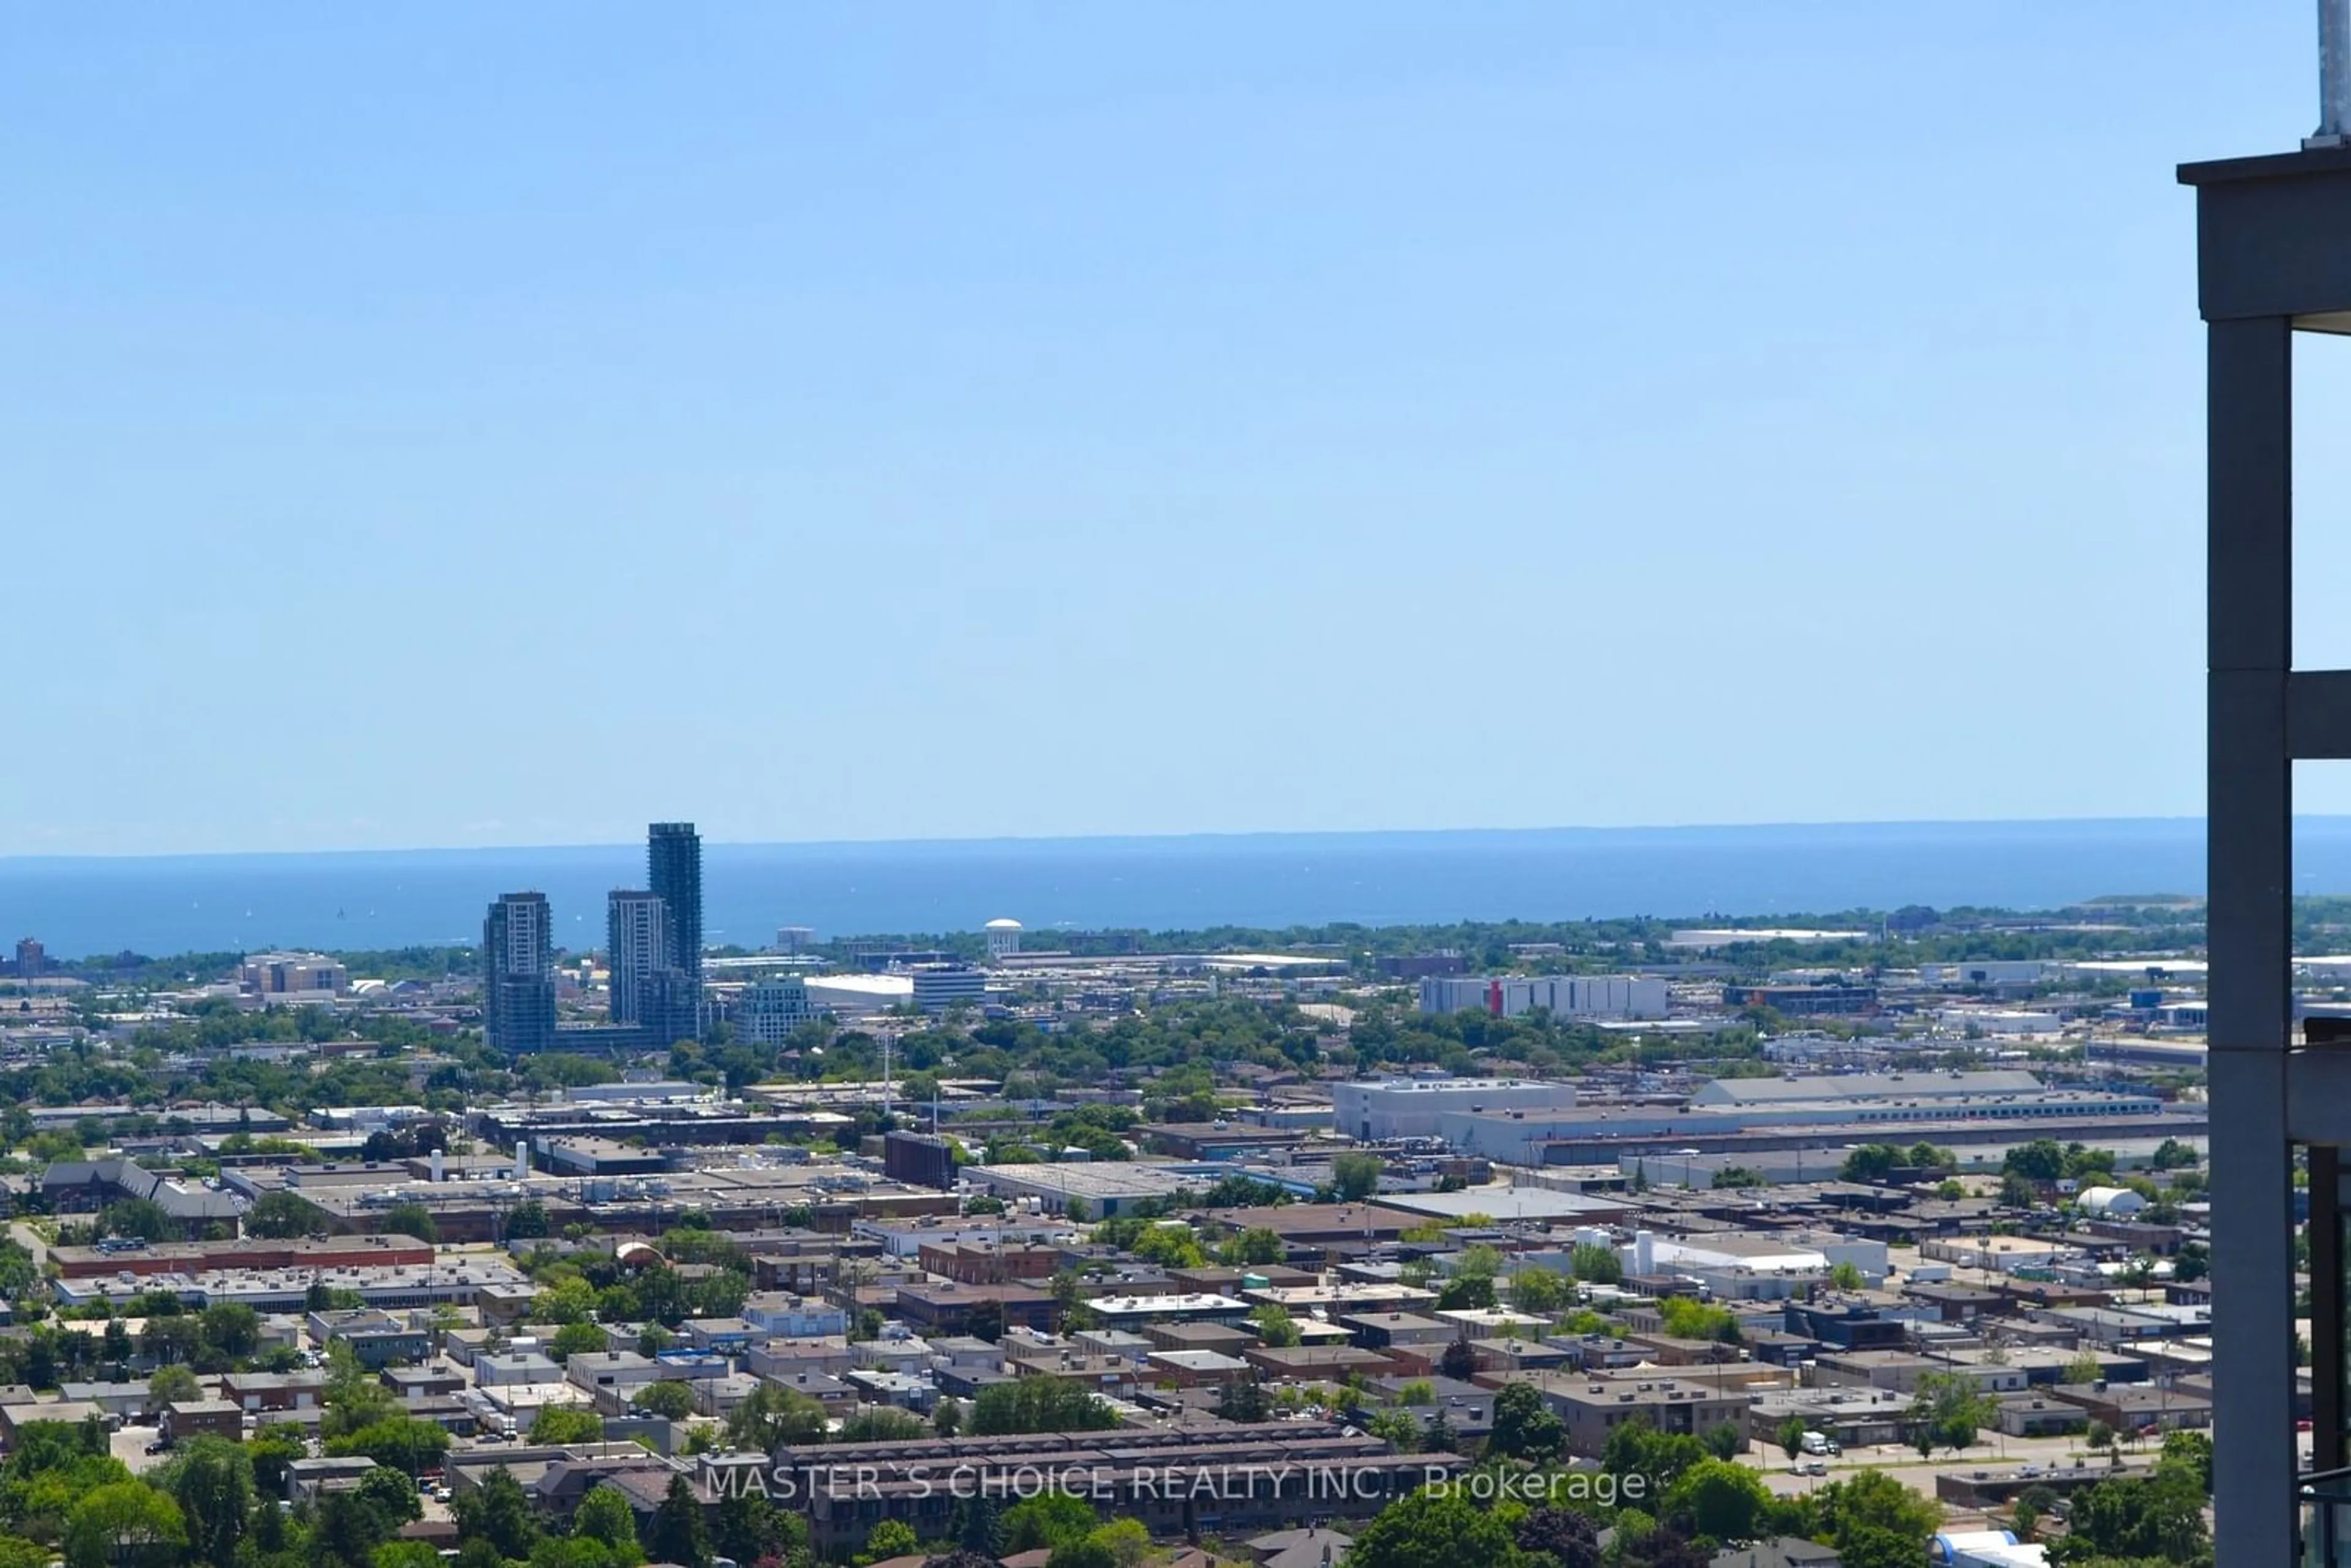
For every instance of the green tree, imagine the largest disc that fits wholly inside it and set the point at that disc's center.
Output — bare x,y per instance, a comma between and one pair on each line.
777,1417
2089,1165
124,1524
272,1448
232,1330
1869,1546
1538,1291
173,1386
1596,1263
675,1533
1254,1246
1169,1246
1848,1277
499,1512
1398,1428
403,1443
670,1400
1950,1406
1433,1529
1871,1514
575,1339
1790,1435
1686,1317
566,1424
1243,1400
1720,1498
1525,1428
891,1538
528,1220
567,1301
1038,1404
884,1424
604,1515
53,1466
1558,1536
411,1219
1275,1326
750,1529
2159,1518
280,1215
1355,1177
1470,1285
1638,1448
2191,1453
1870,1163
2042,1161
351,1525
212,1480
1127,1541
1050,1520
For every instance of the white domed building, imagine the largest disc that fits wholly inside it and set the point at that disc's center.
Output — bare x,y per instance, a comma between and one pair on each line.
1003,939
2110,1202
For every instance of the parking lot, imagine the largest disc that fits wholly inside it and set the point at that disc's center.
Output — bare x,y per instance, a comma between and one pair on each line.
129,1443
1904,1464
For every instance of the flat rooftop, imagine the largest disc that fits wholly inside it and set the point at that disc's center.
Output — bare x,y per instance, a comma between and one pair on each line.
1502,1204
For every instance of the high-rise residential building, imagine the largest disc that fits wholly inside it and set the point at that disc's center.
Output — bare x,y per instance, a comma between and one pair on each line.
673,872
519,973
671,1009
2271,276
31,956
636,947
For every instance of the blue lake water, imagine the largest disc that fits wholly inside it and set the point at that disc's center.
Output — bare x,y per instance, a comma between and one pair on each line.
382,899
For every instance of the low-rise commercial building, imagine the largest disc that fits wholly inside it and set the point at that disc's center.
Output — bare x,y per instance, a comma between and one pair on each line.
1593,1408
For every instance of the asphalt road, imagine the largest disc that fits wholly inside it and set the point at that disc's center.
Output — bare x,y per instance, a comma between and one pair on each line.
28,1237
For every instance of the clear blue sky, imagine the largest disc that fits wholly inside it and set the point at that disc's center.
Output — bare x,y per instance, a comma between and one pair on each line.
508,424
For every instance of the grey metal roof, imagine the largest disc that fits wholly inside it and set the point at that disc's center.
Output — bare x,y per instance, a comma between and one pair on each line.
1868,1086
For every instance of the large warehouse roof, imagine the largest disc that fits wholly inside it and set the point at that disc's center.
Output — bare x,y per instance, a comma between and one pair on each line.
1866,1086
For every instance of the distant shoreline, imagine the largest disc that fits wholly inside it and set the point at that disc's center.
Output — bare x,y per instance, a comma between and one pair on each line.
373,899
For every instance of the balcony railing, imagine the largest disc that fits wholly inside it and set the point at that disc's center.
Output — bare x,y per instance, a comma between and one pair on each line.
2325,1499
